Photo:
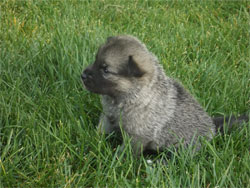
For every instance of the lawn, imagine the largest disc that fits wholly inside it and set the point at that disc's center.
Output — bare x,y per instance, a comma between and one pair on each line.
48,121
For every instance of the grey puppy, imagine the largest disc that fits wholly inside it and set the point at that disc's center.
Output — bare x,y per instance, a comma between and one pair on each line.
153,109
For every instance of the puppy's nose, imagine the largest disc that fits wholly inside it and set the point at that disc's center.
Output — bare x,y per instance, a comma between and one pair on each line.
86,74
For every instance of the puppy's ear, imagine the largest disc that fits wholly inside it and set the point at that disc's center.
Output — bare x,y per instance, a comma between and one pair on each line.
109,39
133,69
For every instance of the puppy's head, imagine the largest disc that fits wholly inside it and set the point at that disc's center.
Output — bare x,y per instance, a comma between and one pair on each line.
122,64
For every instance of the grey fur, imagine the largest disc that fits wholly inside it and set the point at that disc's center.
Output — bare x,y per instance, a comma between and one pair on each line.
153,109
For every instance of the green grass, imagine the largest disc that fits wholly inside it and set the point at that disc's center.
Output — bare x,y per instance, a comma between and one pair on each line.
47,120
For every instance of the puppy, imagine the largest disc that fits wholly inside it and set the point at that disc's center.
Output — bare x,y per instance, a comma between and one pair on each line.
153,109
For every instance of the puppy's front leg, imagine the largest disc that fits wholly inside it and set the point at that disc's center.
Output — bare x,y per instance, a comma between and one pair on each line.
105,126
138,145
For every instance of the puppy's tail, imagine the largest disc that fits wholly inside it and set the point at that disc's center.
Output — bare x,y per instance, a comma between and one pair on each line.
230,121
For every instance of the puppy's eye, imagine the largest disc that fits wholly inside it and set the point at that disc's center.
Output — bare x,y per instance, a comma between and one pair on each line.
105,68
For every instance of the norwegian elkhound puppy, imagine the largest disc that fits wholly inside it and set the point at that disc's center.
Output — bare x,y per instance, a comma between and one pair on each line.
153,109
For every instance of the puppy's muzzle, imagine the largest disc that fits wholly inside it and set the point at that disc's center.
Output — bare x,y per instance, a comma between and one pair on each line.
86,74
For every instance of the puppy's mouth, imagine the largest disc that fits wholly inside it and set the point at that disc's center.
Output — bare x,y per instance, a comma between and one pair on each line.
87,84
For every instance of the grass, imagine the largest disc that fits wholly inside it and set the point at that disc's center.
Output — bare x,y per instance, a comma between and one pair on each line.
47,120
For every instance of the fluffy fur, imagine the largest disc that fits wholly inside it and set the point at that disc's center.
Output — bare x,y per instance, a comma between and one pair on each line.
153,109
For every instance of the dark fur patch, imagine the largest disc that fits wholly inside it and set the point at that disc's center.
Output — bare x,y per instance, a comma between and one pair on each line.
230,121
180,91
131,69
